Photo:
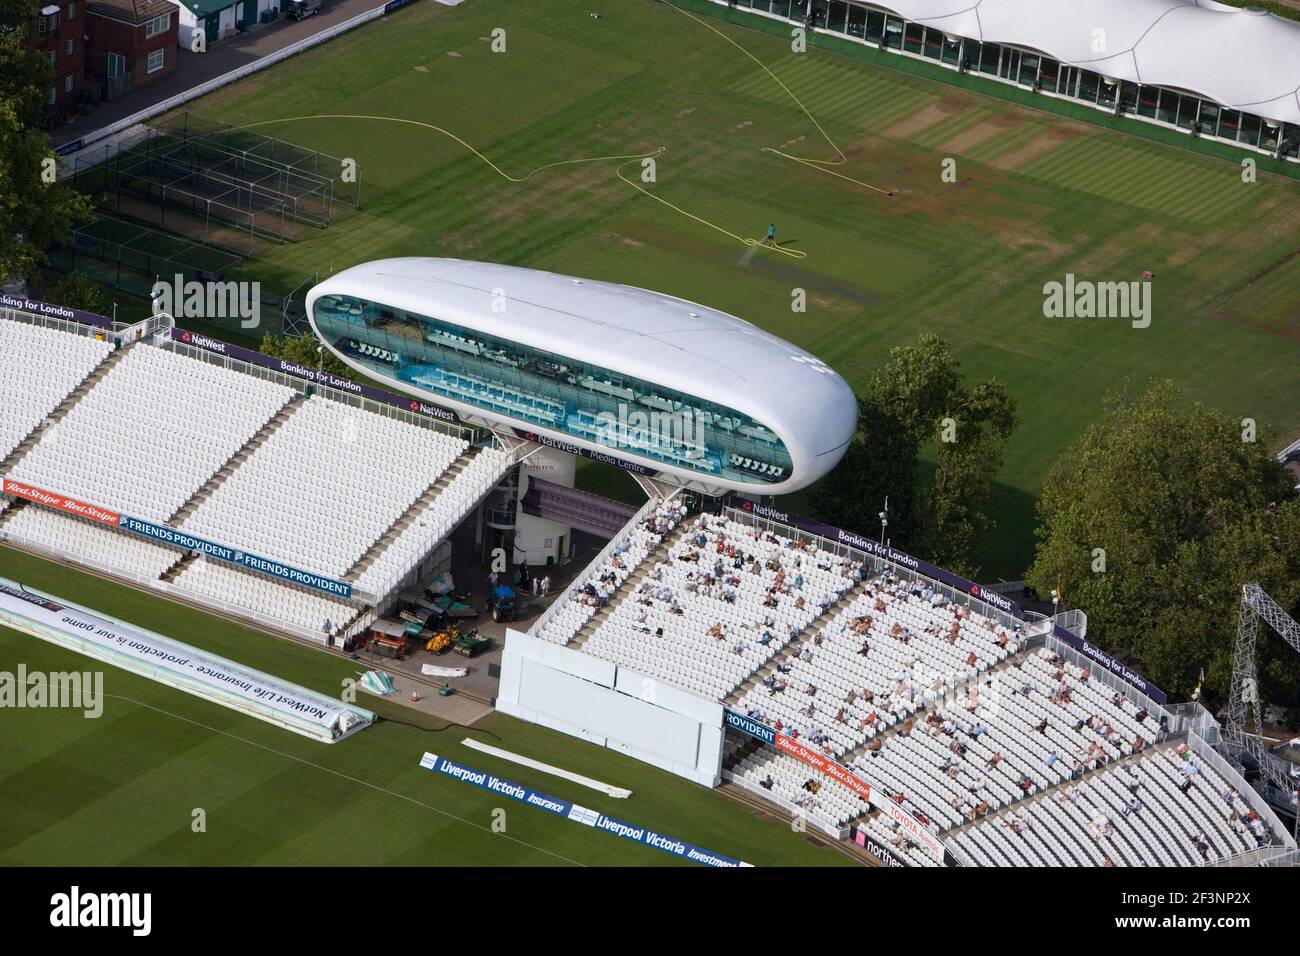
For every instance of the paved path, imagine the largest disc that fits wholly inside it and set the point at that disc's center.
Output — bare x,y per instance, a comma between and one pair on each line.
195,68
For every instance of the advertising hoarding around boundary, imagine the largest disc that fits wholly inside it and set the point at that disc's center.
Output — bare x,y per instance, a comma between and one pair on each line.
578,814
786,744
174,664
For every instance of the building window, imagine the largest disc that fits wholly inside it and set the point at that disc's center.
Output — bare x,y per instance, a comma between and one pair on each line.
1088,83
157,60
553,391
157,25
72,11
1229,123
53,55
71,46
1209,118
912,36
1249,129
820,10
857,21
835,19
50,24
116,65
67,83
875,25
51,96
989,56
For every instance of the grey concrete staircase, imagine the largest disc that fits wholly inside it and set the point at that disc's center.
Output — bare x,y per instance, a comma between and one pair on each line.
414,511
235,460
76,395
629,586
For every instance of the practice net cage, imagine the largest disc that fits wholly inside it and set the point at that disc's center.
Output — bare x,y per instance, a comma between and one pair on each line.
210,179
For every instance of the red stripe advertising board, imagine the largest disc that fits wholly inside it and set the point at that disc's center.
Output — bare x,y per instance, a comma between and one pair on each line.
58,502
829,767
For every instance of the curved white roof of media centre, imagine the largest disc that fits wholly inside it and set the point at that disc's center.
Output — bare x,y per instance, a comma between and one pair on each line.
1244,59
659,338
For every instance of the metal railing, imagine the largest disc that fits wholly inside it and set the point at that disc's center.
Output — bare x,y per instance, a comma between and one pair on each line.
51,322
874,562
1213,758
1113,681
464,432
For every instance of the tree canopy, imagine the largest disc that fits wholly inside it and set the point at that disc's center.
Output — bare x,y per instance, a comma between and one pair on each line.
34,211
1153,521
915,398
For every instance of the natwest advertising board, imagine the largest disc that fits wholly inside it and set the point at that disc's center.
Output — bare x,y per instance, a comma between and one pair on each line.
59,502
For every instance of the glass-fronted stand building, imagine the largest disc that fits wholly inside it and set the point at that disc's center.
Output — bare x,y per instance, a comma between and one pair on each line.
698,396
1221,72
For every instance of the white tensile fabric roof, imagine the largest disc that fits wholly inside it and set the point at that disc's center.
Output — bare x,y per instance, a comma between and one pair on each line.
1243,59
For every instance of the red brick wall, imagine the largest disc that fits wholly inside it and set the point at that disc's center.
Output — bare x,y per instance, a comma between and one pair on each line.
70,28
113,36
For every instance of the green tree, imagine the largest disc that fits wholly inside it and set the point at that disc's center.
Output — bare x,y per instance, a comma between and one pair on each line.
79,291
34,212
903,408
302,349
953,518
1153,521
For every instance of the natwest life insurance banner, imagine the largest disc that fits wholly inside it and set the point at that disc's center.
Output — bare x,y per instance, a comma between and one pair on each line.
178,665
59,502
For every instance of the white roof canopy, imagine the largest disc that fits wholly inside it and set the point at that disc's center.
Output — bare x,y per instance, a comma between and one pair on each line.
1243,59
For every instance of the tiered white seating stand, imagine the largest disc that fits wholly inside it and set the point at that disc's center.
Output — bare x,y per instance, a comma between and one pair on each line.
151,433
325,486
833,803
437,520
39,368
686,655
901,672
304,611
621,563
100,545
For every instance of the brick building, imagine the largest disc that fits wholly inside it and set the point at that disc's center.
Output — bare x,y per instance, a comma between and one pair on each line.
129,43
59,35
